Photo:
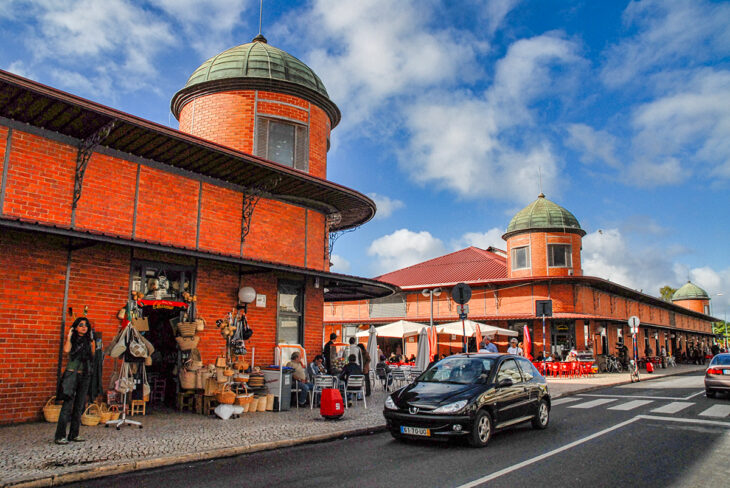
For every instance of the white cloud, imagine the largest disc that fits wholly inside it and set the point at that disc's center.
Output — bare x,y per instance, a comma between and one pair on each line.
596,146
404,248
496,11
339,264
386,205
669,32
489,147
368,51
482,240
20,68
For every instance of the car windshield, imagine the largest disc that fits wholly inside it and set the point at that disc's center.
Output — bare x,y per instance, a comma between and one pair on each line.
721,360
459,370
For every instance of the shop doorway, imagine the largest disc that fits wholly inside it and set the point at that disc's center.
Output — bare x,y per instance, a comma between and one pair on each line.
163,286
562,338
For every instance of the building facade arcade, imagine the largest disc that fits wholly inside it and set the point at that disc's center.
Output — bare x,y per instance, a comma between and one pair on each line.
542,262
96,203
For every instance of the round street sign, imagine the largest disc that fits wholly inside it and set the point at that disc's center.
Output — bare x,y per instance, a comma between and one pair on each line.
634,324
461,293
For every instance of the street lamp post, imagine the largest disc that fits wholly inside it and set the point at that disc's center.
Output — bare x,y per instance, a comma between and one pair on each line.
724,320
430,293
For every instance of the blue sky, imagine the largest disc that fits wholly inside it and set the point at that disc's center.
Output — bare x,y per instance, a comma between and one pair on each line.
451,110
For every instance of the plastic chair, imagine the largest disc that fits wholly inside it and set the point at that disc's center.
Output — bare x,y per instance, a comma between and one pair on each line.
356,386
554,368
321,382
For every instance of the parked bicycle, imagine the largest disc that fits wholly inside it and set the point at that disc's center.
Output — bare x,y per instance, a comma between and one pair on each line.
613,365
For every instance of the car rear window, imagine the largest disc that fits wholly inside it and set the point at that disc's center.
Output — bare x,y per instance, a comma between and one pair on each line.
721,360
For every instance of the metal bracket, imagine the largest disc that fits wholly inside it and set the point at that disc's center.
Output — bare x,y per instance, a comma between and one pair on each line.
332,220
86,149
251,196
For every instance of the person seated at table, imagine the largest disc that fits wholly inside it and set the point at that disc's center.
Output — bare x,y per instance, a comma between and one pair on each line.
350,369
300,376
572,356
316,367
436,359
412,359
382,370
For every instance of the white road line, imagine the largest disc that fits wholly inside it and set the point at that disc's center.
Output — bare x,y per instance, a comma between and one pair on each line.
630,405
593,403
560,401
673,407
521,465
571,445
716,411
643,396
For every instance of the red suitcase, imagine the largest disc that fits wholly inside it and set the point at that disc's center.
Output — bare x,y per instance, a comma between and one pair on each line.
331,406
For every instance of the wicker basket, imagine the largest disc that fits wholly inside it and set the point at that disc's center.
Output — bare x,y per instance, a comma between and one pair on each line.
226,396
261,407
91,415
187,329
51,411
104,414
114,413
244,399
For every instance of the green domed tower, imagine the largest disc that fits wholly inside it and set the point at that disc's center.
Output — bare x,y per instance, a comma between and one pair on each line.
543,239
261,100
692,297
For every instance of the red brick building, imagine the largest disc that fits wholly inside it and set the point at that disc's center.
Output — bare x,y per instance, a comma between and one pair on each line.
95,203
542,262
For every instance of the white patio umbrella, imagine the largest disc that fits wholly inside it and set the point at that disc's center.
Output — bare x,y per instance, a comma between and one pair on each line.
423,355
373,347
455,328
397,329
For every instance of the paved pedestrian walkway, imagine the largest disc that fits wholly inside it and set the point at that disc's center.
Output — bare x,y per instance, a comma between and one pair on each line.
28,456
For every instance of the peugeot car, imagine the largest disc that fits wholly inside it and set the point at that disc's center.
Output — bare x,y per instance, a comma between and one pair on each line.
469,395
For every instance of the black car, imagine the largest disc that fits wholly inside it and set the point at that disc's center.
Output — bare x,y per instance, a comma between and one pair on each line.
469,395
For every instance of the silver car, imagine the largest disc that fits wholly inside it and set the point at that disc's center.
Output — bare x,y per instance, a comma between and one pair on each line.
717,376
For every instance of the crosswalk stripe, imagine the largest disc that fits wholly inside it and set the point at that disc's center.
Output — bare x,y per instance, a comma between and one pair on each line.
717,411
673,407
560,401
630,405
593,403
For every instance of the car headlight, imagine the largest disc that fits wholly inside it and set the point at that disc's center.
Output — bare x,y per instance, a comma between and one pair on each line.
451,407
390,404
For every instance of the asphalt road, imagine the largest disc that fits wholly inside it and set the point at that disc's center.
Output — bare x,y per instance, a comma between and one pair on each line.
657,433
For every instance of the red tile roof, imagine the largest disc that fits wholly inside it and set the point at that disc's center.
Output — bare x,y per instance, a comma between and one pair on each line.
468,265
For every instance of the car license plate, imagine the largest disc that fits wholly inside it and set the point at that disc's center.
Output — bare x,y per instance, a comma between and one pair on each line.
415,431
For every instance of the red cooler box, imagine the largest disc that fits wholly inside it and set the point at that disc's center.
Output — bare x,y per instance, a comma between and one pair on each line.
331,406
649,367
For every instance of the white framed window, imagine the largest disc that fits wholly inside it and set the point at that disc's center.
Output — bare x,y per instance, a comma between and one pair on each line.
560,255
521,257
283,142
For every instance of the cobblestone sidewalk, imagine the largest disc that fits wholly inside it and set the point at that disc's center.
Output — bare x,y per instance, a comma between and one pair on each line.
28,456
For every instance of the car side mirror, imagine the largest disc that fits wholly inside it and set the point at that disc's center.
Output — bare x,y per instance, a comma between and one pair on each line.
506,382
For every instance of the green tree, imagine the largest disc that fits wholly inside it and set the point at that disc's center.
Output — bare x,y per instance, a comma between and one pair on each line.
667,292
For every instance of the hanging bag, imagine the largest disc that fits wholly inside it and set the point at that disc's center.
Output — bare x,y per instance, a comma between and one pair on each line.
125,383
119,343
238,342
136,346
247,332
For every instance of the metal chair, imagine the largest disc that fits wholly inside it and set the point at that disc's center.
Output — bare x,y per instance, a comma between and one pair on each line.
355,386
385,377
399,377
415,373
320,383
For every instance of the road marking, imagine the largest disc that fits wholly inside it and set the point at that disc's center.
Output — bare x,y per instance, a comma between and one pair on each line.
571,445
630,405
673,407
593,403
560,401
643,396
716,411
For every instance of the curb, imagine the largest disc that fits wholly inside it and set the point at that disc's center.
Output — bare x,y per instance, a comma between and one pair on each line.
132,466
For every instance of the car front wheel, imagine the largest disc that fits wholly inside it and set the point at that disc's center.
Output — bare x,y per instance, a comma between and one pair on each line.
481,430
540,421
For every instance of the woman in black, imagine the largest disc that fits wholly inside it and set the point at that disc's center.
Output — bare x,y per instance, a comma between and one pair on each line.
74,384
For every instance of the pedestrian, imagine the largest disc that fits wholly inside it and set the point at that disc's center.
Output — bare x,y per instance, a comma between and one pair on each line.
329,351
366,360
663,356
74,384
489,346
514,348
353,349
